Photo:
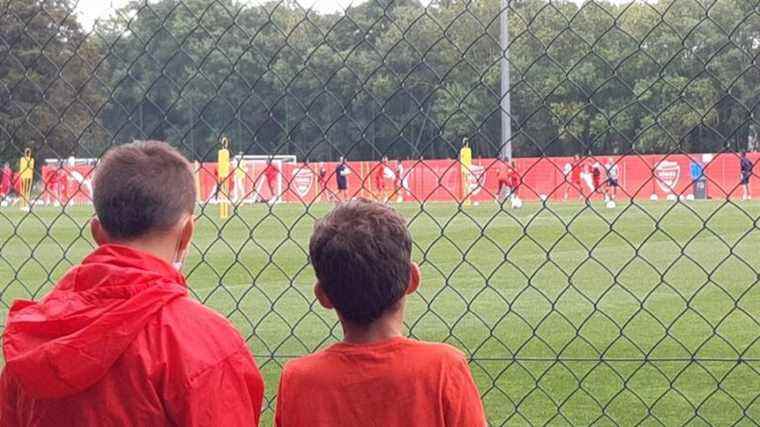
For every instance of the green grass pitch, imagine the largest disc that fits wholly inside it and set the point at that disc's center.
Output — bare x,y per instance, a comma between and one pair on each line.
646,313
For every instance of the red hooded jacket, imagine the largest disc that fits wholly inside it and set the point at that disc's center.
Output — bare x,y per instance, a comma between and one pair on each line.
120,342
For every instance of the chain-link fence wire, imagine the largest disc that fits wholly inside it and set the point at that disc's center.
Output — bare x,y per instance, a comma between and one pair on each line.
570,313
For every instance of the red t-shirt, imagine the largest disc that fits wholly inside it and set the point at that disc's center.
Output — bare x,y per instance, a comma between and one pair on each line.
395,382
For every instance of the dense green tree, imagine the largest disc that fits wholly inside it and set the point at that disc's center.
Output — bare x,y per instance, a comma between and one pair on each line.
49,94
385,77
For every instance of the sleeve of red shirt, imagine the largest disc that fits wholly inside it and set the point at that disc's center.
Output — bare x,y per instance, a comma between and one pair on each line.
463,406
228,394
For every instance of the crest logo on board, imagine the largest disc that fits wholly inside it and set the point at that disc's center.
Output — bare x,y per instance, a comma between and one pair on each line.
303,179
667,174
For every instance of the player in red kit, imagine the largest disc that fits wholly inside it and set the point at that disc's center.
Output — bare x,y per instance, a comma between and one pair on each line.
596,174
514,178
51,184
271,172
322,181
6,176
504,183
378,178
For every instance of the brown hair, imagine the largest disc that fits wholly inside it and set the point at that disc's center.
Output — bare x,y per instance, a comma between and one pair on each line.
142,187
361,253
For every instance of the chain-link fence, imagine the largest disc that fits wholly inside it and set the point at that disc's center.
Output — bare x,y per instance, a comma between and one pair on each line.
616,287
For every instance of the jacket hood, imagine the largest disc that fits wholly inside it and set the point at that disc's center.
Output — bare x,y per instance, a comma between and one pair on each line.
67,342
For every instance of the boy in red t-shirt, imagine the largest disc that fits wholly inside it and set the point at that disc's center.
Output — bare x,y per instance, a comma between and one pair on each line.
361,253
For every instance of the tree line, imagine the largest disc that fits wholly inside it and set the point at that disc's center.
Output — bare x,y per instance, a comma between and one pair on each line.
384,77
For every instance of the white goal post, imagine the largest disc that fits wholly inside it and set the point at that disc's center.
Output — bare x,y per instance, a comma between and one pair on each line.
249,183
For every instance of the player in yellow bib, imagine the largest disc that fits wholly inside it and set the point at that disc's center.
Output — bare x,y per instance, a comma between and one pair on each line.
26,175
223,174
465,161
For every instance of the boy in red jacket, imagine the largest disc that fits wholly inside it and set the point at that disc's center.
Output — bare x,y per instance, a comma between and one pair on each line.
119,341
361,253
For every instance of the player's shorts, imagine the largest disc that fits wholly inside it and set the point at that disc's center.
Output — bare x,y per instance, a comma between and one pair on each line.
745,179
380,184
612,182
342,184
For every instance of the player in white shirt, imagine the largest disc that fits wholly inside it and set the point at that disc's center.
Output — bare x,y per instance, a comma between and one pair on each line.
566,173
401,182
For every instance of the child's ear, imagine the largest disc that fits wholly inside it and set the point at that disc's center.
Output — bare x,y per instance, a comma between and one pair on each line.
414,279
98,234
324,301
186,233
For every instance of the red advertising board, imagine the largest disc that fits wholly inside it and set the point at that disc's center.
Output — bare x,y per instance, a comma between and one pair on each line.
640,177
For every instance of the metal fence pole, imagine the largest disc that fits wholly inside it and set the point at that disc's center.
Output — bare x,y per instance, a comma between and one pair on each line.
505,151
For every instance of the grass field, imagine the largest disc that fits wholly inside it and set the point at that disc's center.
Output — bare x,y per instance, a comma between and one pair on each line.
571,315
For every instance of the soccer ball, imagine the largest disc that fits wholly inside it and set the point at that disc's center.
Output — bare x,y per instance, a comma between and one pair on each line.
516,203
611,204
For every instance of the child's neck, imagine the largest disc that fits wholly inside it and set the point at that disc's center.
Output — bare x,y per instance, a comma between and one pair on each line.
156,247
387,327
